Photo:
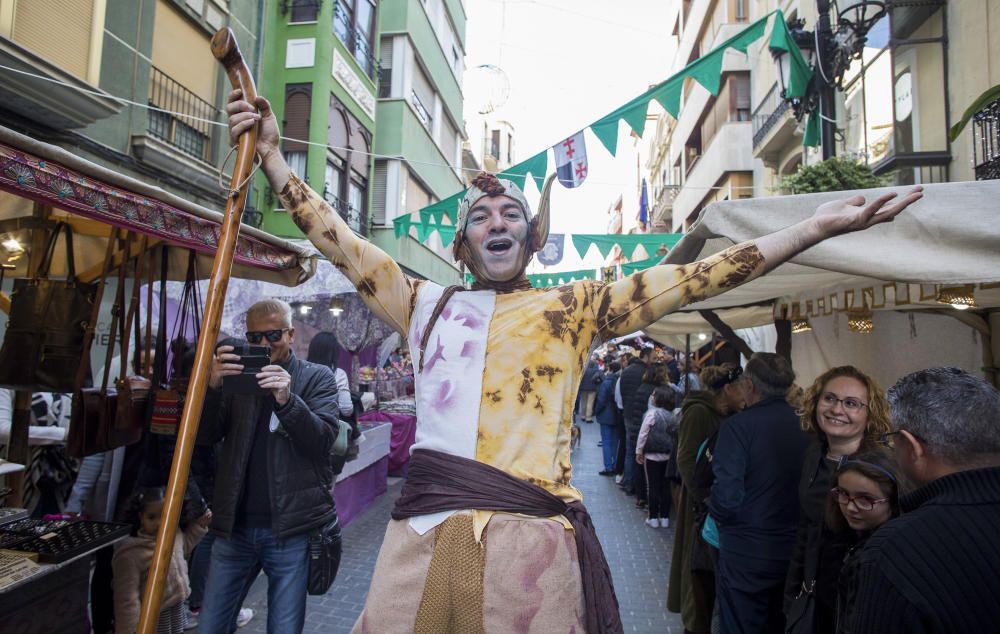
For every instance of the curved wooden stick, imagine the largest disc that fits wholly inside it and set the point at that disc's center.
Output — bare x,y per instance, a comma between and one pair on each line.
225,49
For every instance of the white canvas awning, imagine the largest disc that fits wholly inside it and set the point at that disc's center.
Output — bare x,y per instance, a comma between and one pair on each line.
951,237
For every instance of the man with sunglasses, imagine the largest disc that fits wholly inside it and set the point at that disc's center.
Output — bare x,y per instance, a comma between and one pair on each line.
934,568
274,479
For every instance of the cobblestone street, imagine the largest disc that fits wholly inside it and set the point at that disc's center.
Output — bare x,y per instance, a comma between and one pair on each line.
639,556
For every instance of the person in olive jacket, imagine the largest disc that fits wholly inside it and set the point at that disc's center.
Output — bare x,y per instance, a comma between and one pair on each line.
274,479
692,594
845,411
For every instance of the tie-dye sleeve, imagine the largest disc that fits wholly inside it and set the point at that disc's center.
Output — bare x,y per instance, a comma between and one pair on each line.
640,299
383,286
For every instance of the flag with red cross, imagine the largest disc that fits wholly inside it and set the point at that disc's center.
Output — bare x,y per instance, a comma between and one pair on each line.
571,160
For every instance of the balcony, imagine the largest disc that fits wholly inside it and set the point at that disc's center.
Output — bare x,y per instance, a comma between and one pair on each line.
356,41
774,128
729,151
180,137
986,142
43,92
351,214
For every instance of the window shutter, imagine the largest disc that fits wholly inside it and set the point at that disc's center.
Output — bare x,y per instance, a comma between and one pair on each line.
379,192
741,92
58,30
422,86
298,100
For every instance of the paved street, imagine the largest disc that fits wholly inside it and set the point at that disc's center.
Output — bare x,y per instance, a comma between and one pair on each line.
639,556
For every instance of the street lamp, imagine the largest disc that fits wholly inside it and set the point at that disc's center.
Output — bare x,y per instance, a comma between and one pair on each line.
829,54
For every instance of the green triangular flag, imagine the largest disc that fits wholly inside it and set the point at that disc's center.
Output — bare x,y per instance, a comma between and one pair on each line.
401,226
669,95
707,70
799,72
447,233
536,166
606,131
447,207
812,135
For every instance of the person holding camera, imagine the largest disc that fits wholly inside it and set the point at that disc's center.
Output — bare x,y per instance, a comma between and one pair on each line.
274,477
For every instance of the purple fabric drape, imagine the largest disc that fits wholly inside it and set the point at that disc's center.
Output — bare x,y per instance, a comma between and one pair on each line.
404,430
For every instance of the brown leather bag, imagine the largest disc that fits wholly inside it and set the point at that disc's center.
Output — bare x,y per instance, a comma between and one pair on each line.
93,427
132,391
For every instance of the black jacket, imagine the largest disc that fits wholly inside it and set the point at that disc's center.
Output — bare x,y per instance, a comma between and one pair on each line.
630,382
299,469
757,466
636,409
814,540
934,568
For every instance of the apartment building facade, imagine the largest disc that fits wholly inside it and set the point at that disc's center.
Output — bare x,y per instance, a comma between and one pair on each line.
419,145
72,56
921,66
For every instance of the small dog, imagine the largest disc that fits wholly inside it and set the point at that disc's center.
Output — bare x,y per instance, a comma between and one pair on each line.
574,437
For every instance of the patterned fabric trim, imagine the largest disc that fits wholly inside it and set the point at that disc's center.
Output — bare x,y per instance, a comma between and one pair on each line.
45,182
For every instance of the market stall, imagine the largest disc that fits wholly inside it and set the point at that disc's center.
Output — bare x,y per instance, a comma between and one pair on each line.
884,299
91,221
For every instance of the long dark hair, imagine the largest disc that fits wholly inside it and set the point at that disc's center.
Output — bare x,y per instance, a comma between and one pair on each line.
324,349
879,466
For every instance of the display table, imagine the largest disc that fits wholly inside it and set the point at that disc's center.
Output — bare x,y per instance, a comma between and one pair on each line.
365,477
404,429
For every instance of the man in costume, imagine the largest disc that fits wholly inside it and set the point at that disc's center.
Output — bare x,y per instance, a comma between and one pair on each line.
489,534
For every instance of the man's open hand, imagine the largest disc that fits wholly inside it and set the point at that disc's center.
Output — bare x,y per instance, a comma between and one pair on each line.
853,214
224,363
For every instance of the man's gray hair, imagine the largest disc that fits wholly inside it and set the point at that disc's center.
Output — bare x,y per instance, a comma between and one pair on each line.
956,414
271,308
770,373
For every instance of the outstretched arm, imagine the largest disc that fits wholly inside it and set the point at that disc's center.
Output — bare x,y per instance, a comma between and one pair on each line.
644,297
382,285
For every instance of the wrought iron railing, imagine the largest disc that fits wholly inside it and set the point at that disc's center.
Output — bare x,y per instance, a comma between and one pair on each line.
180,117
356,41
986,142
347,211
768,113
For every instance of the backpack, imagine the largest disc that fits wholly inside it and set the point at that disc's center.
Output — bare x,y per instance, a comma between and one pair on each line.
345,448
662,434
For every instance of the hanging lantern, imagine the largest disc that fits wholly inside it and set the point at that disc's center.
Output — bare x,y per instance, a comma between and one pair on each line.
799,323
860,320
958,297
336,305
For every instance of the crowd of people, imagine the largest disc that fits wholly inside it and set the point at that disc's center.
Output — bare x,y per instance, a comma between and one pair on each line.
839,508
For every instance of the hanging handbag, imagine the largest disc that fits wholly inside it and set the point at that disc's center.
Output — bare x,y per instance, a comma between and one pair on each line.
133,390
82,439
800,616
47,325
171,379
324,557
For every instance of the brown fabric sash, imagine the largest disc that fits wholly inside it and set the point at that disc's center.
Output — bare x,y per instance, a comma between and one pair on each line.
439,482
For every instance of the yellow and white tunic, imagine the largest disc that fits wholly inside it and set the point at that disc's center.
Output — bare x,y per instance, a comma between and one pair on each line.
498,386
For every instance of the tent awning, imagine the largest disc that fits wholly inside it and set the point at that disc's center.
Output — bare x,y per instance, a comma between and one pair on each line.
951,237
35,171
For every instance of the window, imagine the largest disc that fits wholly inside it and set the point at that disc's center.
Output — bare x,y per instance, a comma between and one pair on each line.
385,75
422,96
495,144
295,125
354,24
510,148
303,10
296,161
356,206
331,182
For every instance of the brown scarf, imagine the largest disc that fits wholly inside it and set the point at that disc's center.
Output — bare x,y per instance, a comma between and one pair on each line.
438,482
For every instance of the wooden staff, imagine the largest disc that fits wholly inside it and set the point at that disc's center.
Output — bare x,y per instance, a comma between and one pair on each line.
225,49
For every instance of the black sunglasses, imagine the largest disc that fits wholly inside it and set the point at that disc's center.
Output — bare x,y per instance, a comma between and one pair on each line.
274,336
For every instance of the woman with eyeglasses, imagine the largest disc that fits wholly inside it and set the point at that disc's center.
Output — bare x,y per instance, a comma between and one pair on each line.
864,497
845,410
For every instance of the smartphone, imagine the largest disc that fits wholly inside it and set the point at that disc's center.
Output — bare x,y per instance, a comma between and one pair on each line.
252,358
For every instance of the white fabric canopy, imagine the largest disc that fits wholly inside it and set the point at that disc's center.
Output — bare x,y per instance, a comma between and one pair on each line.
950,237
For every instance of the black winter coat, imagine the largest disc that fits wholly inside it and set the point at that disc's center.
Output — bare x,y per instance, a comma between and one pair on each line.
814,539
635,411
630,382
299,470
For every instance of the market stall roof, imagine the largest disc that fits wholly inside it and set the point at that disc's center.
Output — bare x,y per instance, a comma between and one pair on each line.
93,199
951,237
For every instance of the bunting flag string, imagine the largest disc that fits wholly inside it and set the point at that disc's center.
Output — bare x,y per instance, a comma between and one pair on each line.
628,268
706,71
627,242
